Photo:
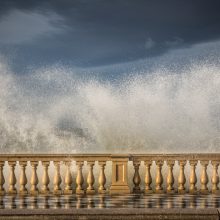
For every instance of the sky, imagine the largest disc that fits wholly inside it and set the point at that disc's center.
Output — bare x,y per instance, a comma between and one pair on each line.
111,37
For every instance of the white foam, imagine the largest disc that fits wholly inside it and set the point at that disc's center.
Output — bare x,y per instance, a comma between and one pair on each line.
54,110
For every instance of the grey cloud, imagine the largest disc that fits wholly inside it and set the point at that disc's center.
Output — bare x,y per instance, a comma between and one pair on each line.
149,43
176,41
21,27
103,32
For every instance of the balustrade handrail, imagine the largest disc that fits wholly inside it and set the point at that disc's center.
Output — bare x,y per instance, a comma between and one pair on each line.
98,156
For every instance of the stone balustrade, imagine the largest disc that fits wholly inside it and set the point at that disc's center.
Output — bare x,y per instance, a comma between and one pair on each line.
197,180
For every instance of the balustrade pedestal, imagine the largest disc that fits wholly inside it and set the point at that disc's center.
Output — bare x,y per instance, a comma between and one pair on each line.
119,176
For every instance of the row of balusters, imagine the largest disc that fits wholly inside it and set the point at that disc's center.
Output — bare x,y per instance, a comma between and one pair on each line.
68,189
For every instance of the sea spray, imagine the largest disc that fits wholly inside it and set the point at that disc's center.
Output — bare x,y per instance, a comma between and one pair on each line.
55,110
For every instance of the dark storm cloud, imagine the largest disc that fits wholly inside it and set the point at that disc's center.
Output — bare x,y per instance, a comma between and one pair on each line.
100,32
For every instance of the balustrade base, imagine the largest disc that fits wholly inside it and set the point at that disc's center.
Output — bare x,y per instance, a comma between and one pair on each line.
159,191
102,191
137,190
90,192
12,192
57,192
80,191
148,191
216,191
34,192
193,191
119,189
68,192
182,191
45,192
171,191
204,191
23,192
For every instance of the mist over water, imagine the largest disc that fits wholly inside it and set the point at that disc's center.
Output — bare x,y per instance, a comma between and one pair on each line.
55,110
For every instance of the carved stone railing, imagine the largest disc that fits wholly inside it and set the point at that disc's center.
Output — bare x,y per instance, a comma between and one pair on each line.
119,179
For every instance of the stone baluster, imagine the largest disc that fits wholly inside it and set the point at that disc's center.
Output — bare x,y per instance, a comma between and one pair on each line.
34,179
68,190
170,177
12,178
215,177
45,178
57,179
90,178
79,178
136,178
204,177
102,178
182,177
148,178
159,177
2,179
23,178
193,178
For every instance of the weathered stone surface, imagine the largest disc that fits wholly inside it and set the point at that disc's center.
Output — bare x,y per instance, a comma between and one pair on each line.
97,214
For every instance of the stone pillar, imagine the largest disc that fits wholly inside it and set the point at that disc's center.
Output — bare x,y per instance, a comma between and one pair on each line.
119,183
159,177
193,178
34,179
182,178
68,190
57,179
23,178
45,178
12,178
136,178
2,179
102,178
170,177
90,179
148,178
215,178
79,178
204,179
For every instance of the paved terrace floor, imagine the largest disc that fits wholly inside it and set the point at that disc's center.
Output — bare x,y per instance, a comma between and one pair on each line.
111,207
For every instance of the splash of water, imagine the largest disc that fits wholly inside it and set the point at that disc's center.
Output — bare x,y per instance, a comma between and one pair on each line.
54,110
